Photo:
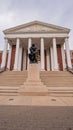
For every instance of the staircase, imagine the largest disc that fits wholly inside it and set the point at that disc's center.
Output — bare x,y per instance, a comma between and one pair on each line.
59,83
10,81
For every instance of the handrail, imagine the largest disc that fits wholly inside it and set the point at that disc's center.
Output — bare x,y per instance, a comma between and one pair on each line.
2,69
69,69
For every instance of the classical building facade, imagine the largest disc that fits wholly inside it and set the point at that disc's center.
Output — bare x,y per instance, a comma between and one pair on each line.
49,39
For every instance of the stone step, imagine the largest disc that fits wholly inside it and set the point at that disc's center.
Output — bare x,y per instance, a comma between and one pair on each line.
61,91
56,76
61,88
64,82
8,94
5,90
10,87
57,79
8,91
13,78
9,80
57,83
61,94
11,84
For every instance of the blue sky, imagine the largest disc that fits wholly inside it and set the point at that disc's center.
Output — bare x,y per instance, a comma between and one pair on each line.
16,12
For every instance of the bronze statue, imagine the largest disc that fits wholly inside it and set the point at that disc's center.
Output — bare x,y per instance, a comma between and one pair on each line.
33,54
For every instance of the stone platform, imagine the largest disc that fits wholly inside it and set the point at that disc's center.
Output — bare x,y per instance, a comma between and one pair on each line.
33,85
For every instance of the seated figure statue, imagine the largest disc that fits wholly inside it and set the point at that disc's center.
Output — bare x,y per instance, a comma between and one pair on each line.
33,54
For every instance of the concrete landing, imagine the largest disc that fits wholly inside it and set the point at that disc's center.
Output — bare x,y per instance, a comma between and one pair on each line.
36,101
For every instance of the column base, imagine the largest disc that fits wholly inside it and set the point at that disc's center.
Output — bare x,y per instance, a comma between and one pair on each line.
55,70
42,69
15,69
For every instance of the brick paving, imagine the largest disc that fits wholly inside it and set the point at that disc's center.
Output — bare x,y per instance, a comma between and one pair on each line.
36,117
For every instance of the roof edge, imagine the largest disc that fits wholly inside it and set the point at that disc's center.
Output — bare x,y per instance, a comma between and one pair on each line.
35,22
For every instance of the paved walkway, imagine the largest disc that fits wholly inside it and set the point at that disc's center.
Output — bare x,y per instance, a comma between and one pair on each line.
36,118
36,113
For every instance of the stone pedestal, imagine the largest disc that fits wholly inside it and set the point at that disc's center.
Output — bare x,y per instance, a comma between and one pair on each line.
33,85
33,72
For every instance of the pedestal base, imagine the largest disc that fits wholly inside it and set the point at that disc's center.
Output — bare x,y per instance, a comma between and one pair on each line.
33,85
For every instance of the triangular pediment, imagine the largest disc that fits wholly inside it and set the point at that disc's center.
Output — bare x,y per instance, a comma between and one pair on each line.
36,26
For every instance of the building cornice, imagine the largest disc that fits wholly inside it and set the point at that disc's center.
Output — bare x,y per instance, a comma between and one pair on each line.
59,28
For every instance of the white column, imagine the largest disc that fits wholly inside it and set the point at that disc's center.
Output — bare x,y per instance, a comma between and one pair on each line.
48,60
4,53
9,56
42,54
29,45
68,53
16,54
63,56
24,60
52,62
55,55
20,59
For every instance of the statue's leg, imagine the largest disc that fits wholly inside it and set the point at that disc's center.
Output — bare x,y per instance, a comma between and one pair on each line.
35,58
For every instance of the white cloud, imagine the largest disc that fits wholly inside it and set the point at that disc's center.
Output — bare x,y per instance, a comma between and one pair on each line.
14,12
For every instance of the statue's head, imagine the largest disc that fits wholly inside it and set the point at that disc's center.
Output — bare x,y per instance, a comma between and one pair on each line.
33,45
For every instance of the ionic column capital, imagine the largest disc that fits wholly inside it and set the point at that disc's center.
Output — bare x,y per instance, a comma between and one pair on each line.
6,40
42,39
29,38
54,38
66,39
17,37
